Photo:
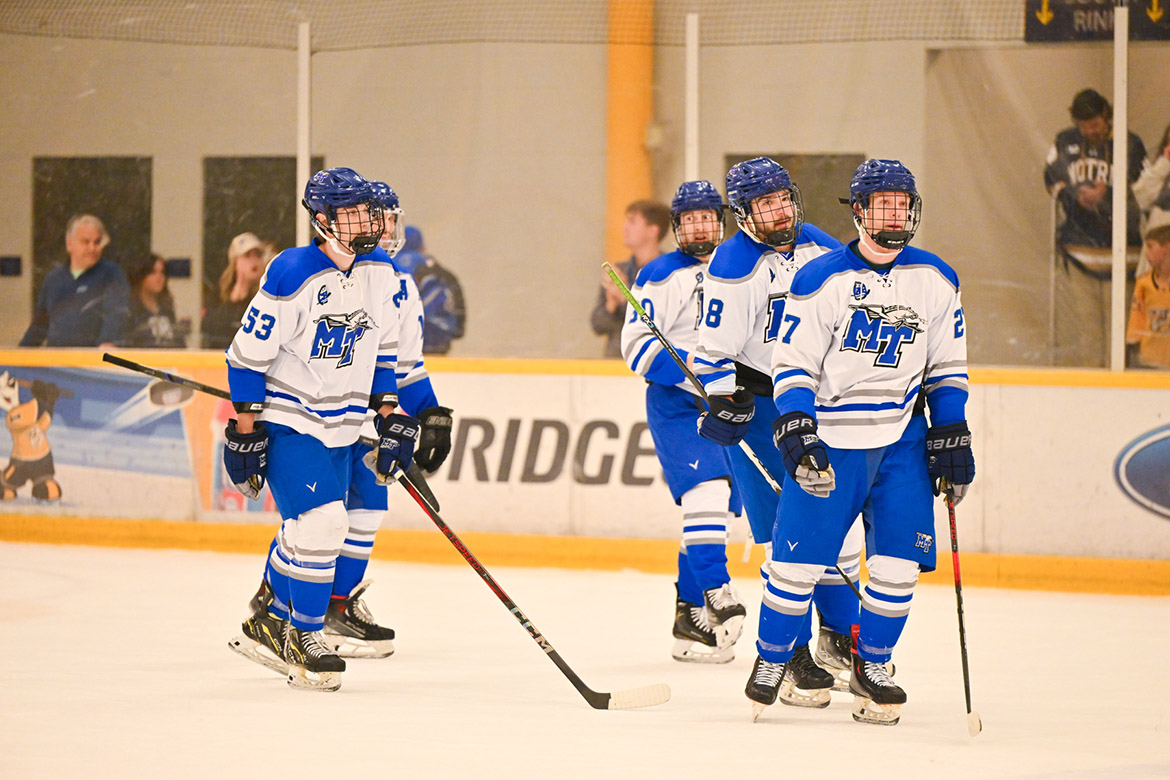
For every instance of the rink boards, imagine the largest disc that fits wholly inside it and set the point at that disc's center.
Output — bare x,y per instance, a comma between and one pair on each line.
552,464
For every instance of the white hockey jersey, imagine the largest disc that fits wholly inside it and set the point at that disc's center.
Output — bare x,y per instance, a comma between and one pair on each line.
865,342
744,296
670,289
316,342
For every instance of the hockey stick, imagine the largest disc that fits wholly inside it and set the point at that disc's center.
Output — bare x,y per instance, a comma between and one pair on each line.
414,471
646,696
743,445
974,723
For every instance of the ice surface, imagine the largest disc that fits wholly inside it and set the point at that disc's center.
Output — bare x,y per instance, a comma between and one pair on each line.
114,664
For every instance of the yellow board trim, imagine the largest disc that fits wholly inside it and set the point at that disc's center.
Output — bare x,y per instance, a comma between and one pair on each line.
654,556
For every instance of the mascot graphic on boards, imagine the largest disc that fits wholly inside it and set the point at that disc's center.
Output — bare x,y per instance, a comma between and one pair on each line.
31,459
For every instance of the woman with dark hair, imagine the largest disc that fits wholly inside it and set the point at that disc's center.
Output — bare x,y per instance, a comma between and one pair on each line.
152,321
1152,191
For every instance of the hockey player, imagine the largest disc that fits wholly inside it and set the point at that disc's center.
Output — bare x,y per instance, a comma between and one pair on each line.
745,290
318,347
873,326
708,613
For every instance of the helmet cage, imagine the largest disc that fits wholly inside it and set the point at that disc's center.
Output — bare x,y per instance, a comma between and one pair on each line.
393,237
753,179
696,196
336,193
883,176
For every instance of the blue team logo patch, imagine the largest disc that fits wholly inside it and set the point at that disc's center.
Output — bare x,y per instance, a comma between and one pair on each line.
400,296
1142,470
860,291
925,541
882,331
337,334
323,294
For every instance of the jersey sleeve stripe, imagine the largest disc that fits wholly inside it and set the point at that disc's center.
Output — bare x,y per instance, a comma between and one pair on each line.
236,360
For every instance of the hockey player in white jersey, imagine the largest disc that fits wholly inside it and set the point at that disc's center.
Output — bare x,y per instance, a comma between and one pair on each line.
875,326
708,613
745,292
317,349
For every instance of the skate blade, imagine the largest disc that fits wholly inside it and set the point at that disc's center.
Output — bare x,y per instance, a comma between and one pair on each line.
867,711
726,634
688,651
302,679
351,647
817,698
257,653
757,710
840,676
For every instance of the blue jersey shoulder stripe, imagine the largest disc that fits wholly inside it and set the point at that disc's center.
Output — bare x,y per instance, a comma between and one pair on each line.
662,267
913,256
736,257
291,269
813,274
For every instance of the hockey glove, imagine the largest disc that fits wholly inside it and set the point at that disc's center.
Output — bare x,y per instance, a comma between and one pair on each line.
434,444
804,454
949,459
397,437
246,458
729,419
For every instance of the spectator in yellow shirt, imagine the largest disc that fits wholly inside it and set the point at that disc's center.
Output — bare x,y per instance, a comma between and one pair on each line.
1148,336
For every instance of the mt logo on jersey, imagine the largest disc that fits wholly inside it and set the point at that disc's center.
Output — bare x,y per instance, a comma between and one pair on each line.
337,334
881,330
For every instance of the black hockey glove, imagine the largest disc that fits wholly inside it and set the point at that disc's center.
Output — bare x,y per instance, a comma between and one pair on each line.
804,454
246,458
949,459
397,437
434,445
729,419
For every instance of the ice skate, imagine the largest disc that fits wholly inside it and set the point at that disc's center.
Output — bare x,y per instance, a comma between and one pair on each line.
835,655
805,684
726,613
312,664
694,638
876,699
764,685
263,639
350,629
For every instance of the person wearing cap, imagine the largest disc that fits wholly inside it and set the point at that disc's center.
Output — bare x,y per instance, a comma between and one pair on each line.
1078,174
84,303
239,282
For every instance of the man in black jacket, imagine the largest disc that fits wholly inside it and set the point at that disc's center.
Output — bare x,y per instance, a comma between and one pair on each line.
83,304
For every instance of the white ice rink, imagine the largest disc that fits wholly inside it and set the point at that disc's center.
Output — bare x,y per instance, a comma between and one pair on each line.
114,664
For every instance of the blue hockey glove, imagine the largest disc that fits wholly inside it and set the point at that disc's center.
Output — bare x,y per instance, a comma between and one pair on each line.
949,459
434,444
729,419
804,454
246,458
397,437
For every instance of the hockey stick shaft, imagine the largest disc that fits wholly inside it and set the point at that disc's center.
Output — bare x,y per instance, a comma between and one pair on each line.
224,394
743,445
972,717
642,697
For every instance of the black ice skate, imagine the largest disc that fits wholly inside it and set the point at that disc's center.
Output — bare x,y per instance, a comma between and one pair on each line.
764,685
876,699
263,639
805,684
835,655
726,613
351,631
694,638
312,664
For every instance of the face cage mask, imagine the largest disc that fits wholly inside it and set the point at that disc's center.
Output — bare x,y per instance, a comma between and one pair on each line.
697,248
894,239
393,241
776,238
362,243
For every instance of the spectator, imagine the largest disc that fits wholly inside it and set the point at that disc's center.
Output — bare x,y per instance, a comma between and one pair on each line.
239,282
1148,337
85,303
152,323
444,307
646,224
1078,174
1152,192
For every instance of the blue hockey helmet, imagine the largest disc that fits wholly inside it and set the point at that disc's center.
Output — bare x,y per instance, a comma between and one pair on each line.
874,176
698,195
332,189
753,179
393,236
